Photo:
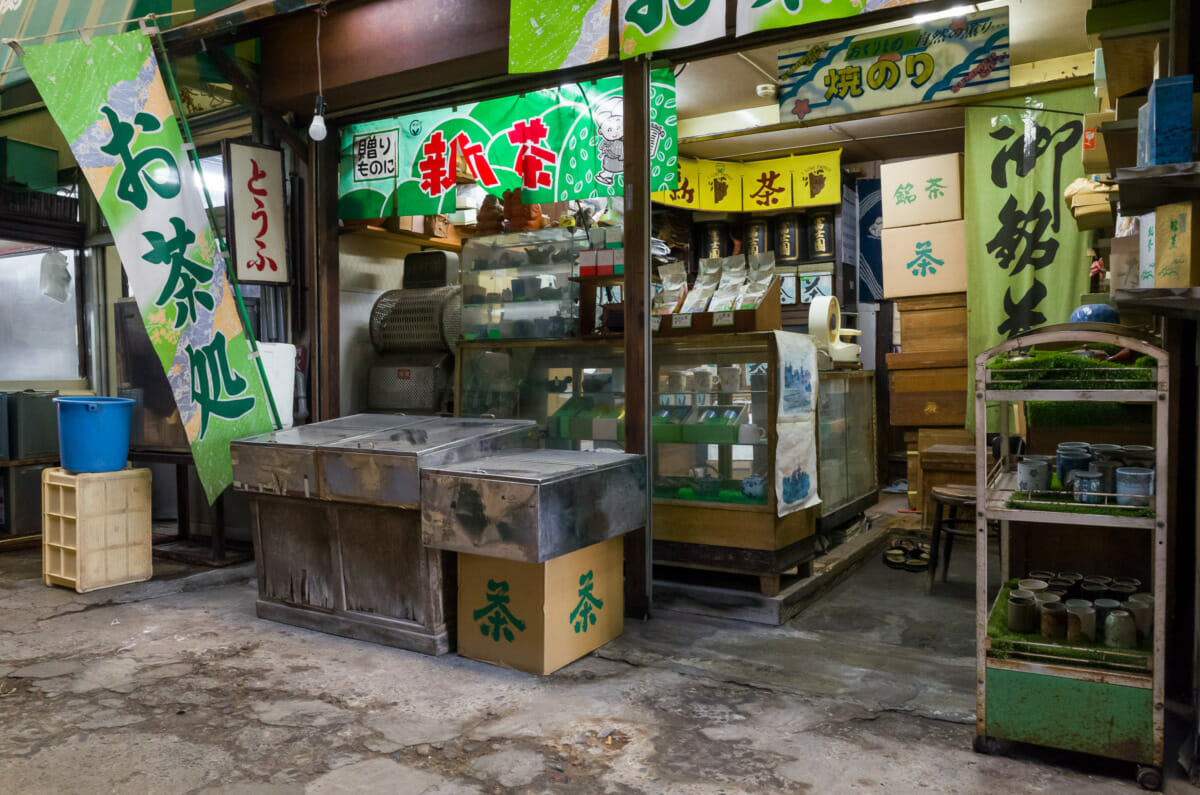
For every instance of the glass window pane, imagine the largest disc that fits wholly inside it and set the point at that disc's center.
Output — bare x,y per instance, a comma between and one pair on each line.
39,335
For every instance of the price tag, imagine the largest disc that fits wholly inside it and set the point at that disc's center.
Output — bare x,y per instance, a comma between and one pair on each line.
723,319
681,321
656,323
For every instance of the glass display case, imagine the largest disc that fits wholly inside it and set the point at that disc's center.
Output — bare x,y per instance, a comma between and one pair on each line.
846,426
518,285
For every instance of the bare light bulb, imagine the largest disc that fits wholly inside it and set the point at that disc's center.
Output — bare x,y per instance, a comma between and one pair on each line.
316,130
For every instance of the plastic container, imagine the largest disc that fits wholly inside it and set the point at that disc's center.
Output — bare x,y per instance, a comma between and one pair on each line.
96,529
279,363
93,433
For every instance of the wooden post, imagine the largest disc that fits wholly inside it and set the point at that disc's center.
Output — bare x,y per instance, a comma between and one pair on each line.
326,284
636,87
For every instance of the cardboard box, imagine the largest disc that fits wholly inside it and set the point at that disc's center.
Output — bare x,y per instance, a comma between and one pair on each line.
1123,266
1095,156
1176,246
587,262
933,323
1146,250
538,617
605,262
927,190
925,260
1165,123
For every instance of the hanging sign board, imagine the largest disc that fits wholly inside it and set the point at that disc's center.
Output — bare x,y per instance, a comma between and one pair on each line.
687,191
756,15
941,59
783,183
1026,258
107,97
254,212
657,25
554,145
546,37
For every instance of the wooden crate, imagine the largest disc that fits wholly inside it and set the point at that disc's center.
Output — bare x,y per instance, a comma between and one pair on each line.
929,408
947,456
933,379
933,323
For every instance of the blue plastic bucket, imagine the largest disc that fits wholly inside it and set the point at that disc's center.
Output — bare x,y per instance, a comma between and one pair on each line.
93,433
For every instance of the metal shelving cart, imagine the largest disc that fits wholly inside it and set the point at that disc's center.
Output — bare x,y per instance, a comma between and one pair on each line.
1081,697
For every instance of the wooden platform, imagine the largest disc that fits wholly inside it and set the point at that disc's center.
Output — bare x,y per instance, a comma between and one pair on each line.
741,597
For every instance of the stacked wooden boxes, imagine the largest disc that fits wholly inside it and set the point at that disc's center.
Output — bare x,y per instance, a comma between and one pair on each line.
924,272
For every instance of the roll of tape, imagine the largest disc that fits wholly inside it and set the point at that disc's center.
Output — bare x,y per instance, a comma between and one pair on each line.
825,321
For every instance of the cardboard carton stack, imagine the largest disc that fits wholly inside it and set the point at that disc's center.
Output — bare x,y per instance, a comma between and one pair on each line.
925,272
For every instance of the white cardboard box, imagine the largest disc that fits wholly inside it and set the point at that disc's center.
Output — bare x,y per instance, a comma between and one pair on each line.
1146,250
925,260
927,190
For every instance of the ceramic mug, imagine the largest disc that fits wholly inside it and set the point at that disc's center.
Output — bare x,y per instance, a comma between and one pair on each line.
1042,575
1108,477
1088,487
1032,474
1139,455
1073,576
1053,620
754,486
1120,630
679,381
1022,615
1081,624
1078,603
1103,608
1134,485
1070,460
1046,597
1143,618
731,378
751,434
1107,452
705,380
1037,586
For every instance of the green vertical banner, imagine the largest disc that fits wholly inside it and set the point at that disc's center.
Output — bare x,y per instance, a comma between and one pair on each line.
756,15
1026,259
553,145
647,26
547,36
107,96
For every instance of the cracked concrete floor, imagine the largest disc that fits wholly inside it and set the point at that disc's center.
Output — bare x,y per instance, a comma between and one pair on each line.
182,689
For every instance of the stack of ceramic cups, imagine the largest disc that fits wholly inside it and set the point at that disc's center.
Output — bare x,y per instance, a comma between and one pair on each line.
1082,609
1097,473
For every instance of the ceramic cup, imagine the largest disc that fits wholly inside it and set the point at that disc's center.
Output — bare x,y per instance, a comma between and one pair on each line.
1107,452
1134,581
1073,576
1053,620
1064,585
751,434
1103,608
1037,586
1121,592
1143,597
1077,603
1134,485
679,381
1022,615
730,377
1081,624
1088,487
754,486
1108,477
1093,590
1120,630
704,380
1143,618
1042,575
1032,475
1138,455
1061,593
1098,578
1046,597
1020,593
1070,460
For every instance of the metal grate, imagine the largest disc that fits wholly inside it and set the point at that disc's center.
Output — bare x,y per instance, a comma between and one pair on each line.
426,320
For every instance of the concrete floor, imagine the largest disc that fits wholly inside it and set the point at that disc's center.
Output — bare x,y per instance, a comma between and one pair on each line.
176,686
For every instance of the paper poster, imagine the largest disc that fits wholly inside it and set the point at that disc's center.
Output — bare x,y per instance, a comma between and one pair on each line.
656,25
945,58
546,37
796,423
554,145
107,96
255,213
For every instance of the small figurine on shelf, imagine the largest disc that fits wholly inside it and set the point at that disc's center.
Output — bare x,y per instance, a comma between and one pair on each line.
490,219
521,217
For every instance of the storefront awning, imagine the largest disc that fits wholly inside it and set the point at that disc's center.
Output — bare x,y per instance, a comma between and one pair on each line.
49,22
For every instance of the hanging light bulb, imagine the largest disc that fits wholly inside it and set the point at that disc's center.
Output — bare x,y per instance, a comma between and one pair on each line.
316,130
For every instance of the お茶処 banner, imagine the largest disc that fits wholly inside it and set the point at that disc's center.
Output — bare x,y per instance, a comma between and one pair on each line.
950,57
553,145
107,97
545,37
1027,261
756,15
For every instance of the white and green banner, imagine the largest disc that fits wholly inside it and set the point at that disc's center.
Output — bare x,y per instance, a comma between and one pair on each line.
756,15
1027,263
554,145
656,25
939,59
107,96
547,36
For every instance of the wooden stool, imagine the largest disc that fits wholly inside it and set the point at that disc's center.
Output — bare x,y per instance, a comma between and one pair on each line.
950,496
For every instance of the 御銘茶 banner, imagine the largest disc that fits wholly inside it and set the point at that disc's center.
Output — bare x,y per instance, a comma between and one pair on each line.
949,57
1027,261
545,37
656,25
756,15
107,97
553,145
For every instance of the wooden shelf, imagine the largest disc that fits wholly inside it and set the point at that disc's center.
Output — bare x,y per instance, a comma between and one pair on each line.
1177,302
1142,188
412,238
1120,143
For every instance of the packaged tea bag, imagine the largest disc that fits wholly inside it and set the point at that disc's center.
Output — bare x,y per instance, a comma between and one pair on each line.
706,284
673,276
762,271
733,279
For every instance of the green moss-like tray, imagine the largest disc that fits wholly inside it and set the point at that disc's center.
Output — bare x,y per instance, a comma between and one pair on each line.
1006,644
1059,370
1064,502
729,496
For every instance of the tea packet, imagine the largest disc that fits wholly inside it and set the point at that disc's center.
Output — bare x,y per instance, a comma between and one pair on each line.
761,273
729,289
706,284
673,276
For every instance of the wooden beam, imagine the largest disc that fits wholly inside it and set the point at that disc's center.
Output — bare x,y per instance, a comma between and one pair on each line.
247,90
636,87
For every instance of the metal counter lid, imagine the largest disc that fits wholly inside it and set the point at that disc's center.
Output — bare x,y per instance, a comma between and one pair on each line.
329,432
425,435
536,466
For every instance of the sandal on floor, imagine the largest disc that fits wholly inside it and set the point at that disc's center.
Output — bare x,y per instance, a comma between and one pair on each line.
895,557
918,562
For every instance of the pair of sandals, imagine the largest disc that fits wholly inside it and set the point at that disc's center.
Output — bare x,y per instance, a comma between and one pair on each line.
907,555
